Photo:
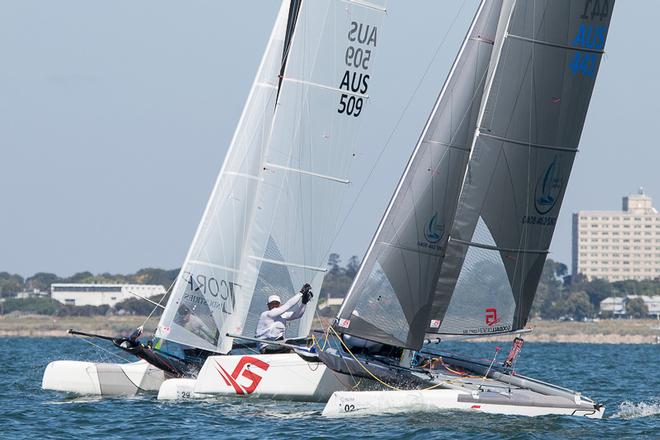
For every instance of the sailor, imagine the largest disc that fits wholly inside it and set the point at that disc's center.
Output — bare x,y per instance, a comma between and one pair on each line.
272,322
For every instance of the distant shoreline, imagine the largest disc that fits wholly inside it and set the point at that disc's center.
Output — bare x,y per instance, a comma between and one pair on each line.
623,331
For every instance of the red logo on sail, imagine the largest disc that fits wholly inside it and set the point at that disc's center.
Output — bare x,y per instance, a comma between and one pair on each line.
491,317
243,370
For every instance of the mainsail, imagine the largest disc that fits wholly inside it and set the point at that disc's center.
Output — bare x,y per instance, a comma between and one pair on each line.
273,214
483,257
536,102
305,173
202,303
393,290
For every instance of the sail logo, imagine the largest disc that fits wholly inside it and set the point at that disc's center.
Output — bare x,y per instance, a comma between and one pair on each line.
433,231
491,317
548,188
243,370
216,294
435,323
590,38
345,323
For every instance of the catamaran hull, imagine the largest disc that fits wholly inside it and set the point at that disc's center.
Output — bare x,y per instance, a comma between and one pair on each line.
355,403
99,379
283,376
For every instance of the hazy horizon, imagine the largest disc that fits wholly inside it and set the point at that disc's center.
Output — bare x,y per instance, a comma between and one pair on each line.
116,116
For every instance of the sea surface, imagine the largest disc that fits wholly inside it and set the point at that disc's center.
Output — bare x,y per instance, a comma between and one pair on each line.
626,378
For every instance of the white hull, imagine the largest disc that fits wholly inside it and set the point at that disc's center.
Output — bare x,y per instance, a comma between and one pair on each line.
98,379
284,376
354,403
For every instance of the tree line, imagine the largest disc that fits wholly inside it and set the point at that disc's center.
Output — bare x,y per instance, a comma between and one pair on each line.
559,295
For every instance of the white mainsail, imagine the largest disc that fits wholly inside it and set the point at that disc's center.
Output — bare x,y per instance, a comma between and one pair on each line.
325,92
274,211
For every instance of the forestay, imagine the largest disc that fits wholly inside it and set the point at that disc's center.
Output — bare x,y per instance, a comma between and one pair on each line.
202,307
546,59
393,291
325,92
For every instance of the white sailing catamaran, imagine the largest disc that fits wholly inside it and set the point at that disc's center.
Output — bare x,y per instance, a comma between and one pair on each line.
462,244
269,224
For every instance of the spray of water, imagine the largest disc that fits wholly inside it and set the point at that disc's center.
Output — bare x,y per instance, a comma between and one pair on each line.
632,410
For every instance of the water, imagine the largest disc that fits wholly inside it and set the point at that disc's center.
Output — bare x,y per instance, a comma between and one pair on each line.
624,377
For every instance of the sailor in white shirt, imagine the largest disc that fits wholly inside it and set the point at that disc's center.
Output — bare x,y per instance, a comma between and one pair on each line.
272,322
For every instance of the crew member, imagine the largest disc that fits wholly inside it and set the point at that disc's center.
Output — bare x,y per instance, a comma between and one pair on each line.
272,322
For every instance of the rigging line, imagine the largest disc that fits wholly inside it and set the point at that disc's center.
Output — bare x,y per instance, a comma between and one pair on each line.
168,291
146,299
396,125
376,378
102,348
160,302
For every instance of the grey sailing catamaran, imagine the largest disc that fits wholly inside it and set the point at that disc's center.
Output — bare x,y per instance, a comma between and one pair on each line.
462,244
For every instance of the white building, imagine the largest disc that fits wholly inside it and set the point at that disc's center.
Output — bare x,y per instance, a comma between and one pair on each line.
618,245
617,306
32,293
100,294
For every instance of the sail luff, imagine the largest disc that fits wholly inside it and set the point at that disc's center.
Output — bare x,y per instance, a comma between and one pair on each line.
391,294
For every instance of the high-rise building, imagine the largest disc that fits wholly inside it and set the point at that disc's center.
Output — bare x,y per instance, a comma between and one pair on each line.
618,245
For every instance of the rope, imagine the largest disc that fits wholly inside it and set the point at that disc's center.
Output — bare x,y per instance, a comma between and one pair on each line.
102,348
169,289
376,378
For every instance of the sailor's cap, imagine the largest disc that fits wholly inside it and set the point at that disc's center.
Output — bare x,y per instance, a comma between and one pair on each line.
274,298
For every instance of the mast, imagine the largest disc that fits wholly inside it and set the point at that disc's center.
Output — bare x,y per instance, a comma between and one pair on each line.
393,290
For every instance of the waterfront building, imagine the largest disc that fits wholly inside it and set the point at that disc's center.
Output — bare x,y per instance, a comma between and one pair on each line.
618,245
78,294
616,306
31,293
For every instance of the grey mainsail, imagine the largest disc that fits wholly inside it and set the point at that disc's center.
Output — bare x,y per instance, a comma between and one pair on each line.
393,291
461,251
535,106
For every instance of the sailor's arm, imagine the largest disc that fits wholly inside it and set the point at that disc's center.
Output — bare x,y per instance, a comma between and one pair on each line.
295,314
279,311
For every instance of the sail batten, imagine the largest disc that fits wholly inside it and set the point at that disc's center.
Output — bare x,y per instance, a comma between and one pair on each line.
524,143
498,248
289,264
326,87
552,44
307,173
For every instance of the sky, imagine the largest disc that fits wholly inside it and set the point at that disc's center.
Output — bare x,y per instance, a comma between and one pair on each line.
115,118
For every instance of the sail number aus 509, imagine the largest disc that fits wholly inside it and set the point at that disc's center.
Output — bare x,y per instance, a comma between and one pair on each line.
355,80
